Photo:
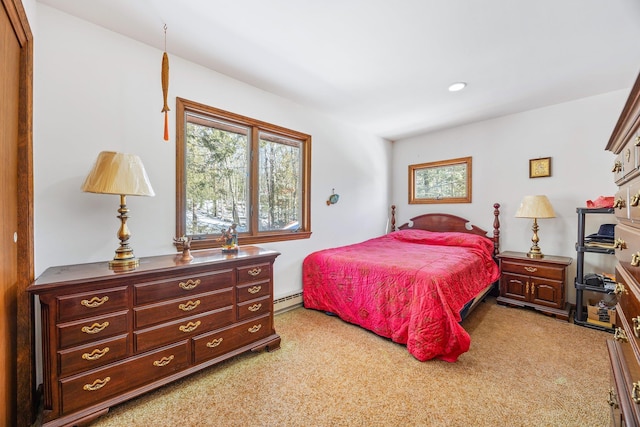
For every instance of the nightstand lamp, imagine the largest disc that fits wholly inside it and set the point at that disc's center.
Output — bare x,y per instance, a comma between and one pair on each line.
124,175
535,207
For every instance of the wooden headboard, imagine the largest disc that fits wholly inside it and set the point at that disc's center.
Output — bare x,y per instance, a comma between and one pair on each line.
446,222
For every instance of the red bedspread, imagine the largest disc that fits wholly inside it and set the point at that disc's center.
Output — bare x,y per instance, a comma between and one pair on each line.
409,285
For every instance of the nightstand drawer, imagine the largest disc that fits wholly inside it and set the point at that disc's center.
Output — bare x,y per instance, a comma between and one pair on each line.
547,271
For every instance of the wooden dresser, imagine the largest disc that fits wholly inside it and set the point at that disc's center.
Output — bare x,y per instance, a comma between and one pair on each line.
109,336
624,349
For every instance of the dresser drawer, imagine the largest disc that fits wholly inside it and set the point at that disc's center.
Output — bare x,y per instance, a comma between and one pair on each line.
184,286
89,304
254,308
253,273
83,391
621,203
631,238
93,329
533,269
222,341
628,307
92,356
161,312
253,290
182,329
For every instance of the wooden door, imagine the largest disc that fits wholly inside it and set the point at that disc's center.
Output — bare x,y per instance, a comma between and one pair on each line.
16,217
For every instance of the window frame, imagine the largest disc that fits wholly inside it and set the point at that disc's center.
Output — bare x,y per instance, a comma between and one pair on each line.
413,169
184,106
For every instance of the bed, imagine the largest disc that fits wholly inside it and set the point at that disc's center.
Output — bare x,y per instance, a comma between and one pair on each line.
413,285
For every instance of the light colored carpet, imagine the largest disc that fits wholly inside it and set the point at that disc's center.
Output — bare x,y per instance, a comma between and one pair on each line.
523,369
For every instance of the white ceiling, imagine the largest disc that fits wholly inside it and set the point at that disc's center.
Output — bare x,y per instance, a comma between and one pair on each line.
385,65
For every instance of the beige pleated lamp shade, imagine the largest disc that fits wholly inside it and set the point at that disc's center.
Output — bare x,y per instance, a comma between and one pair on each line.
535,207
118,173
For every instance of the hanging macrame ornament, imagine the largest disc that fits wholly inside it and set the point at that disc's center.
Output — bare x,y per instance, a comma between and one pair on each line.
165,85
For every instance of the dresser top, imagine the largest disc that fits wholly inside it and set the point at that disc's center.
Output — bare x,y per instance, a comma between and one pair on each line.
547,258
173,262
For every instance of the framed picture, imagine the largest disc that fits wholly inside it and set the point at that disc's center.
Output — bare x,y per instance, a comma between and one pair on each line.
445,181
539,168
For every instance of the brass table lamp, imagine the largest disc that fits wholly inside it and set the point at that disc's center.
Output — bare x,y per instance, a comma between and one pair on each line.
124,175
535,207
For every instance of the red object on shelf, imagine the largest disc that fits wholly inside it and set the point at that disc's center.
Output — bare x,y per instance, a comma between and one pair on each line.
601,202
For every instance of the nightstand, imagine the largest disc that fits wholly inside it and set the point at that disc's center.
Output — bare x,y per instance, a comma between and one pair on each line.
538,283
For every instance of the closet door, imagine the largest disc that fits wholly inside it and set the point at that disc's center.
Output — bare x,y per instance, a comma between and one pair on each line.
16,235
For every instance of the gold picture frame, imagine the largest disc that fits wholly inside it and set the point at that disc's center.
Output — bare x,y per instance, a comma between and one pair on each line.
540,168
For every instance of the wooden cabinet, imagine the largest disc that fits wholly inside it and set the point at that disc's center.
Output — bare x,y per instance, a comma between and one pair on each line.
538,283
109,336
624,350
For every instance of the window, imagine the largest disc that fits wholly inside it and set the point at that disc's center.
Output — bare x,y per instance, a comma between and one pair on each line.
232,169
446,181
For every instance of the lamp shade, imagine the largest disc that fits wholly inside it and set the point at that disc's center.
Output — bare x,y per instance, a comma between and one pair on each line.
535,207
118,173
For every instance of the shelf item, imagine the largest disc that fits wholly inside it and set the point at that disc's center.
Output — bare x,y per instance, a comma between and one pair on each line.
580,316
109,336
624,348
538,283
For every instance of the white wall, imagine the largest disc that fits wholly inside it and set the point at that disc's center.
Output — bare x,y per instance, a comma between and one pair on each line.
573,134
95,90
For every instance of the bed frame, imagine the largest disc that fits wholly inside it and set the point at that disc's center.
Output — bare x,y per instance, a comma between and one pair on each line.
447,222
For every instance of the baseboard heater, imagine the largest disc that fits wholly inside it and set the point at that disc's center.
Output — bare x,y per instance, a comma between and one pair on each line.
287,303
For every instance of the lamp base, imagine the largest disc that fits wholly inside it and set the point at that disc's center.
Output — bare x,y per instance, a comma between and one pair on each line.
534,255
124,264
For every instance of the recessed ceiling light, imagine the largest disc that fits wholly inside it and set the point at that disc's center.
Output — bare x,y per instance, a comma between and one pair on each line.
457,86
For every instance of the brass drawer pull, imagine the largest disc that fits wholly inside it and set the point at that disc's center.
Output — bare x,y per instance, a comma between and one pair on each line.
255,307
95,354
190,284
619,289
620,244
254,271
190,305
190,327
612,400
94,302
635,259
254,289
97,384
254,328
95,328
635,199
617,166
636,326
163,362
635,393
637,140
531,269
527,289
620,335
214,343
619,203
